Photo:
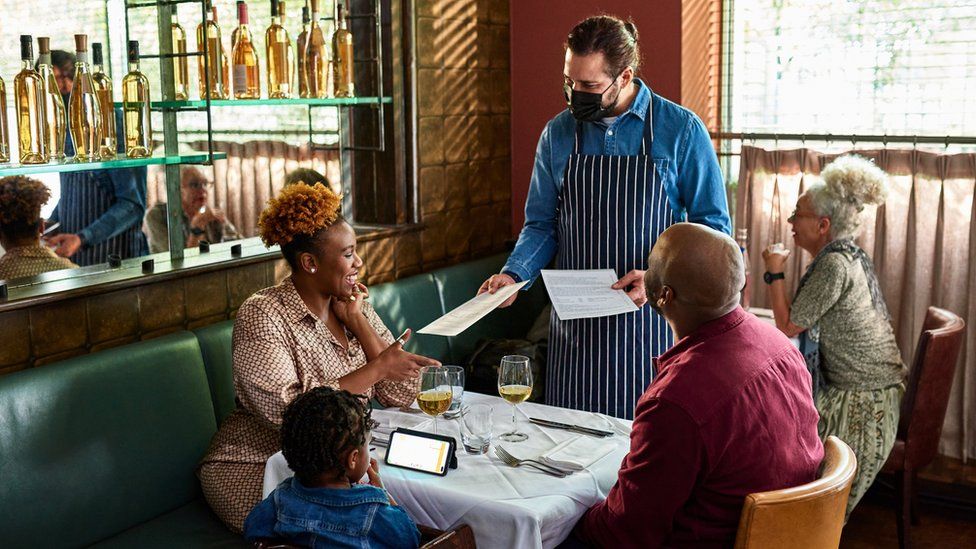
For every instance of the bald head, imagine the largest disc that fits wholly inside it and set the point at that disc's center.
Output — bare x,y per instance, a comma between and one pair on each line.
702,266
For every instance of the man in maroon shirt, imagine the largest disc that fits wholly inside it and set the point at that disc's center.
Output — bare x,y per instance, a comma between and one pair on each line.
730,412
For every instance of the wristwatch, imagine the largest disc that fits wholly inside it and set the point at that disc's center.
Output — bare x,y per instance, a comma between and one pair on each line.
769,277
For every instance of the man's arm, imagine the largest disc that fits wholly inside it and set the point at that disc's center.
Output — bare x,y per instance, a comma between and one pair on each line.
700,182
655,481
129,186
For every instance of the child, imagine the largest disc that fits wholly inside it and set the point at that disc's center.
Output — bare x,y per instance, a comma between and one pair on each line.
325,439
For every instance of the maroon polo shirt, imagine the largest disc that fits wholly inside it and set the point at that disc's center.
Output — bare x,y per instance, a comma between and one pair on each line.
729,414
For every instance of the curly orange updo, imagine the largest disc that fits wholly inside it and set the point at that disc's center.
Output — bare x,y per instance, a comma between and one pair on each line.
21,199
299,211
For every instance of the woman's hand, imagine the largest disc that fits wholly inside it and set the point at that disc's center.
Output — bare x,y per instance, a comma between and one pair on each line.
775,256
495,283
396,364
350,310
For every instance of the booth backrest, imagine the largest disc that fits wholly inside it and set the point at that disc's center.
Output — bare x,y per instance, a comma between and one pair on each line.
215,344
95,444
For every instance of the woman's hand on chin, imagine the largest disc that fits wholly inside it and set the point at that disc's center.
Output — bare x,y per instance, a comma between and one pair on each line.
349,310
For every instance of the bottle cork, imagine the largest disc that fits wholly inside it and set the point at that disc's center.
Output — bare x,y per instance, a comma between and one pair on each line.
26,47
133,51
81,42
96,53
43,45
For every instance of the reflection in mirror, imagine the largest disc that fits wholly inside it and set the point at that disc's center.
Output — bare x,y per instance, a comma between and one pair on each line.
22,229
202,220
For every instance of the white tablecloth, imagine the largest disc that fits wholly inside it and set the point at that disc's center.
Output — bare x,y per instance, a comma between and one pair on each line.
505,506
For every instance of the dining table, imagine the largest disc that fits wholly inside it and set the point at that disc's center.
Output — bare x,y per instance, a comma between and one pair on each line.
505,506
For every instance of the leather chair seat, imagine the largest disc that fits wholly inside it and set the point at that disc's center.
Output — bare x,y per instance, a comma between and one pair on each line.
188,527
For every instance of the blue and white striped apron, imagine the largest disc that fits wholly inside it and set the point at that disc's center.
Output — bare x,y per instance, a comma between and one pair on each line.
611,211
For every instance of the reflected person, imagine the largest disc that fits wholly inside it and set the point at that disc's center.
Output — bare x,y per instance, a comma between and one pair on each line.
100,211
200,221
21,199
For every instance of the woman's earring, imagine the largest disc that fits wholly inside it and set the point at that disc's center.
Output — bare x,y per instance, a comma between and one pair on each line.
660,303
312,269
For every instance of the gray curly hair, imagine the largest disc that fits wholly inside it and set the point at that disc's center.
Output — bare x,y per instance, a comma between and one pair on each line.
846,185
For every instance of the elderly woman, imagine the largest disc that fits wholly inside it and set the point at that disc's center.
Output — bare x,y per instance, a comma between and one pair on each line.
841,317
200,221
311,330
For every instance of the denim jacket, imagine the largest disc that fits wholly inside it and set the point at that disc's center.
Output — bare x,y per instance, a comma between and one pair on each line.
682,152
358,517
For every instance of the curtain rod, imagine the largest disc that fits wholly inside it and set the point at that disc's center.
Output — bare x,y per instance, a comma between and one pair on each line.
914,139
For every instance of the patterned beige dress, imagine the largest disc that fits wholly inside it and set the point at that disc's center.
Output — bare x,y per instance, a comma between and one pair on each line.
27,261
280,351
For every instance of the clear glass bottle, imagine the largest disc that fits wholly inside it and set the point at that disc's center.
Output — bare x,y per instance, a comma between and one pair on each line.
291,48
181,71
55,115
277,45
247,76
108,148
135,107
84,108
4,139
301,42
29,106
316,57
210,32
342,56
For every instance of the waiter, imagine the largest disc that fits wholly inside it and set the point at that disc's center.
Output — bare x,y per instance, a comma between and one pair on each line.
611,173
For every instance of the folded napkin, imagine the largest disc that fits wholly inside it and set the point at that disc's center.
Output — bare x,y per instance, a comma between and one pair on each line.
578,453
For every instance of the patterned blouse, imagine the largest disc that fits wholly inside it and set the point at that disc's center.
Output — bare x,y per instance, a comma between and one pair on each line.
280,351
857,345
25,261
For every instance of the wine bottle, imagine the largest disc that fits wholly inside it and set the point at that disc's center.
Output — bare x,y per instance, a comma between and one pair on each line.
342,56
247,77
291,50
4,143
181,72
29,105
277,44
56,127
316,57
84,108
209,31
103,91
302,40
135,107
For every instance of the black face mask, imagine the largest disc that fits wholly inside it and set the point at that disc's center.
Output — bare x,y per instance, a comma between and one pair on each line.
588,107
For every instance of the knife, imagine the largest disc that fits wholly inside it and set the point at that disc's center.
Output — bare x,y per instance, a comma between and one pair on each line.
570,427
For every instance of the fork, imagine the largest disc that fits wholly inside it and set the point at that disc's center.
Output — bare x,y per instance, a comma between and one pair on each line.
515,462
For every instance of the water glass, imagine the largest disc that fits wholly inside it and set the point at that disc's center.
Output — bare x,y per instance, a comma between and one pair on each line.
455,376
476,428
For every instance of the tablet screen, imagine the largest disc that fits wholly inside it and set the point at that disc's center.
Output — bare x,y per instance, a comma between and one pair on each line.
420,453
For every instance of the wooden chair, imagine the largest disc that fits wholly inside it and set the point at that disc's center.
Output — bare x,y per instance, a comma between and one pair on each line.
923,410
809,516
430,538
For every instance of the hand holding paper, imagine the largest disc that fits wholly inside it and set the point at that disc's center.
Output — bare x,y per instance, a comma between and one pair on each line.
586,293
461,318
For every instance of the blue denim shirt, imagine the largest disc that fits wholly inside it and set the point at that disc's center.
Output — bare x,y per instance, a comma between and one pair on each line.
685,159
128,185
358,517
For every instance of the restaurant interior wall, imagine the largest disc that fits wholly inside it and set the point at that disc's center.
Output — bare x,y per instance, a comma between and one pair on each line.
464,203
538,34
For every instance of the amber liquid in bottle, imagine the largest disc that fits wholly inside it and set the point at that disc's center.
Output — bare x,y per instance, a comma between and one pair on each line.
84,108
181,71
342,57
55,115
302,41
291,49
316,57
108,147
277,45
135,107
247,77
29,106
4,144
210,32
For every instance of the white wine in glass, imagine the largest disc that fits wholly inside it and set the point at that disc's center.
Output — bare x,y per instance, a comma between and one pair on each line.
435,394
515,386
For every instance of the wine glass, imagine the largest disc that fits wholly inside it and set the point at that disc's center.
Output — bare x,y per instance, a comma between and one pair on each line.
436,393
515,386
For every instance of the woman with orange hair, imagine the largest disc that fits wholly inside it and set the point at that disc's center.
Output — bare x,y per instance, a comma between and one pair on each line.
21,226
314,329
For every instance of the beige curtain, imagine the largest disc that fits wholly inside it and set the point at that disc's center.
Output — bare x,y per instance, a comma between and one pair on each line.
252,173
922,241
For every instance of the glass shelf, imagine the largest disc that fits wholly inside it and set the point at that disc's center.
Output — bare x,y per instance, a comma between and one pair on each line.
121,161
328,102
